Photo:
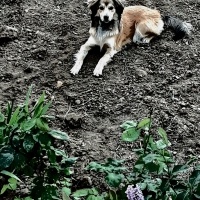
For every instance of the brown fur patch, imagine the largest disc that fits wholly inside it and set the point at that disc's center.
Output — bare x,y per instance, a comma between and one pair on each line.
137,17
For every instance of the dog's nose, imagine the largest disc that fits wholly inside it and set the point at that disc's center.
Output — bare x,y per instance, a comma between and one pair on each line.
106,18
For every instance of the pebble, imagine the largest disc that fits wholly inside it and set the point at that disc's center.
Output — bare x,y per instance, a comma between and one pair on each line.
78,102
59,84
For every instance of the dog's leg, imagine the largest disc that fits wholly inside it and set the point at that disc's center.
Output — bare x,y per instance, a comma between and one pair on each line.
104,61
80,56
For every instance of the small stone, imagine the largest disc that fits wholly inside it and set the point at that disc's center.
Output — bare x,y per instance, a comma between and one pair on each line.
141,73
59,84
78,102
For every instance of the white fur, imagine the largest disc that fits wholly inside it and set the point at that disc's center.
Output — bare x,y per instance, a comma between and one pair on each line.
100,37
92,41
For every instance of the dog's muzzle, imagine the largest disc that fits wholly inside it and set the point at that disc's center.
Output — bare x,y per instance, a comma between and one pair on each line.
106,19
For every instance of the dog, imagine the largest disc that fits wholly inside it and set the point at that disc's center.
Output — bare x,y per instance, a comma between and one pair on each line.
113,26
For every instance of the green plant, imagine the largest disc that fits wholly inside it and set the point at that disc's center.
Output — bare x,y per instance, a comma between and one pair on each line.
155,170
28,148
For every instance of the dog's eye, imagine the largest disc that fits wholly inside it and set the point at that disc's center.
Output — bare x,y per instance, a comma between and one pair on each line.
101,7
111,8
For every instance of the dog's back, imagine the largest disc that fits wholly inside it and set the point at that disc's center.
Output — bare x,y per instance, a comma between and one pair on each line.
139,21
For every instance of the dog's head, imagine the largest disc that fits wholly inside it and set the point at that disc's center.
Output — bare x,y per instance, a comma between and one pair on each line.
106,10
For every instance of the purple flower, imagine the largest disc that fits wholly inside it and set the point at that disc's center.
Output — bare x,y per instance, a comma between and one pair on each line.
134,193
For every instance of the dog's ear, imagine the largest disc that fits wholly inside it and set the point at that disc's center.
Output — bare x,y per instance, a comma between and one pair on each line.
119,8
94,5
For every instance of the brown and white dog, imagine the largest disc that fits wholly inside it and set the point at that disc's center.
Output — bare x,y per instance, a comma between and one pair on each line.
114,26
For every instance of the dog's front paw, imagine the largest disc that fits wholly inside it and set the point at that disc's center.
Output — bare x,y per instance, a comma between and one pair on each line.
98,71
76,68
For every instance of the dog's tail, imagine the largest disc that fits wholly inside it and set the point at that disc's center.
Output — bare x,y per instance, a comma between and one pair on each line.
180,28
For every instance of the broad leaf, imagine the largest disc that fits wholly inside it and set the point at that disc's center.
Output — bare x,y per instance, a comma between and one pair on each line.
161,144
4,188
149,158
52,156
179,169
6,157
195,177
144,123
59,135
50,192
114,180
66,193
81,193
130,135
128,124
163,135
28,143
10,174
184,195
2,118
42,124
28,125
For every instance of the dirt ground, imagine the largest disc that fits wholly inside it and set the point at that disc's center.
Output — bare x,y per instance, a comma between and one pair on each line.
37,42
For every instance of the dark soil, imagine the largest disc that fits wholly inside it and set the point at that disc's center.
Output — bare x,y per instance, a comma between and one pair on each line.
37,42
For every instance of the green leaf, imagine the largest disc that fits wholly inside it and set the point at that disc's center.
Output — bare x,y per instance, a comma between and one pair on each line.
162,167
81,193
194,178
59,152
151,186
28,125
144,123
112,195
27,98
115,162
45,108
91,197
10,175
12,183
2,126
161,144
39,106
42,124
179,169
43,138
28,198
184,195
130,135
114,180
59,135
163,135
6,157
9,110
52,156
66,193
19,160
149,158
197,191
128,124
2,118
28,143
14,118
93,191
16,141
152,167
50,192
4,188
